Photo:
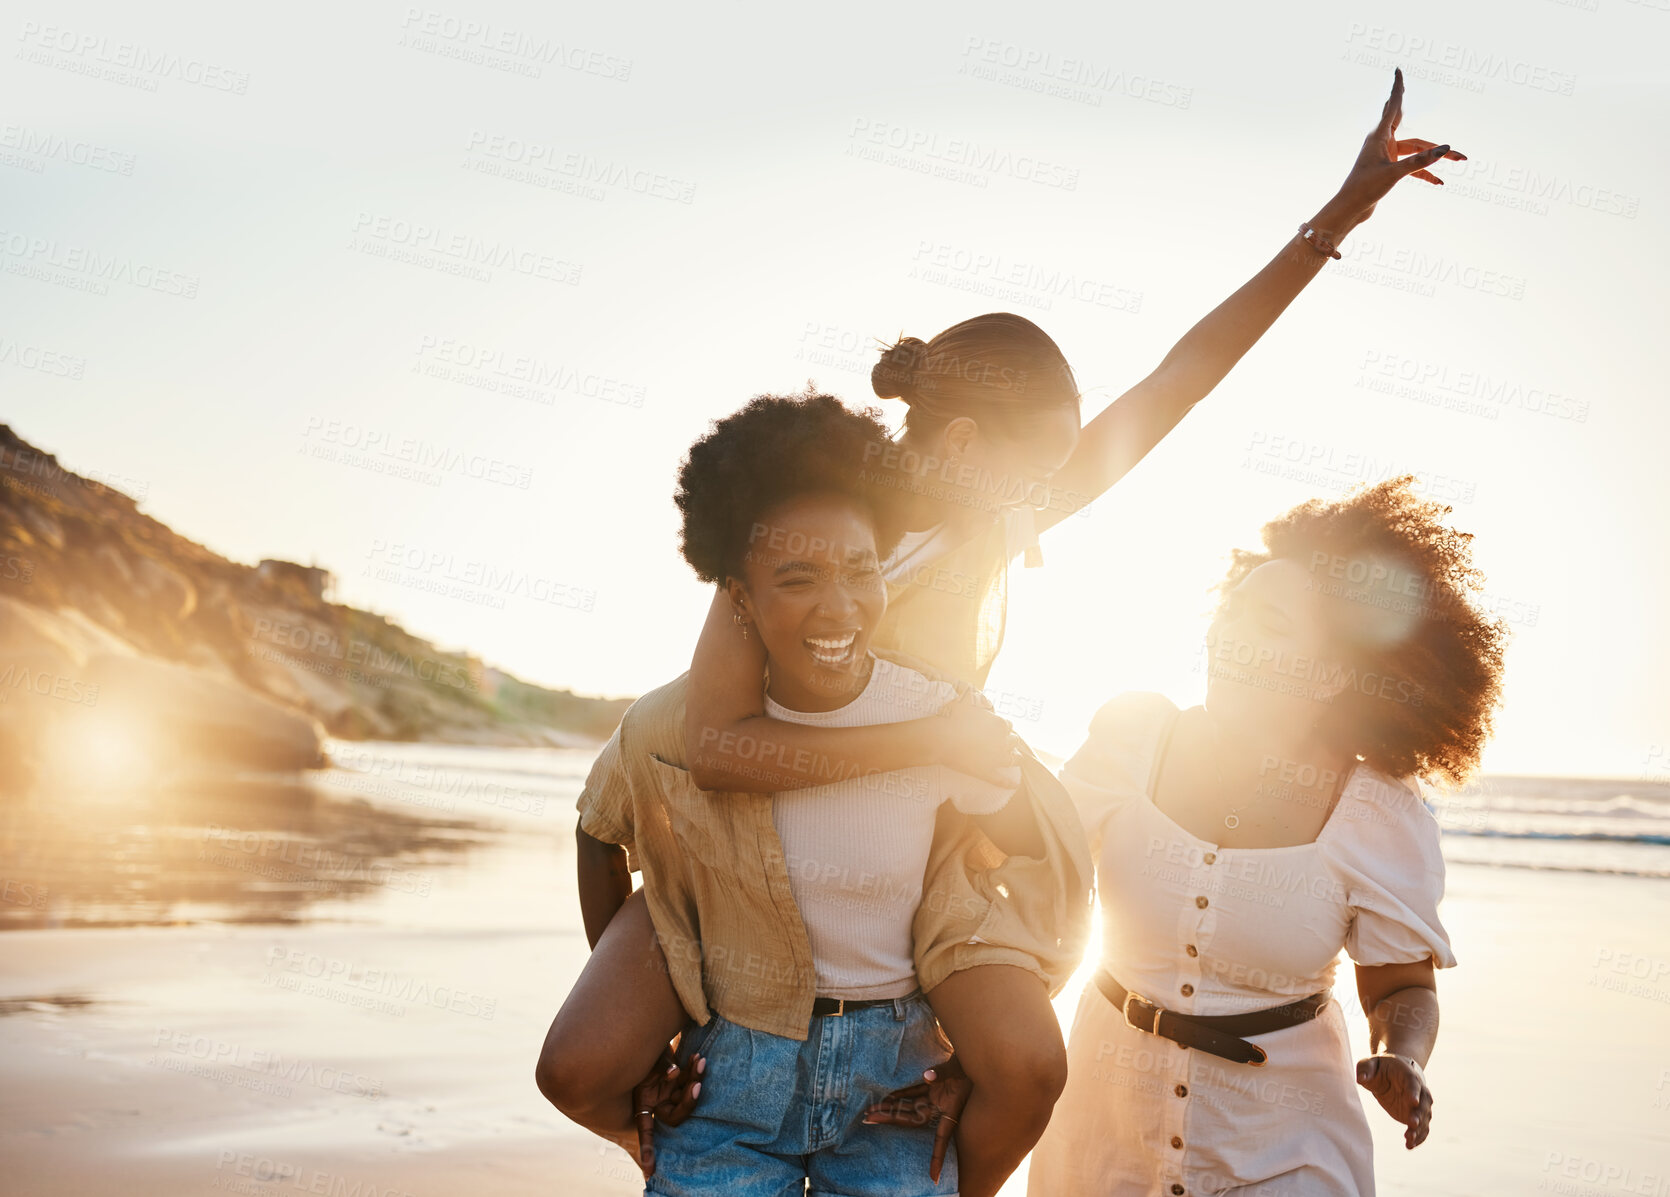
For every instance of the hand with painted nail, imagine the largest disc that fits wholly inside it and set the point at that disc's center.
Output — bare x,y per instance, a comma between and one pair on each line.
666,1094
1386,158
937,1100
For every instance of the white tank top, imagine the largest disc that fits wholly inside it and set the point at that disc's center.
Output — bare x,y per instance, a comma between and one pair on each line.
857,848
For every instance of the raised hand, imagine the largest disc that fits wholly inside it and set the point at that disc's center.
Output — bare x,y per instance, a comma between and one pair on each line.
1399,1085
1385,158
937,1101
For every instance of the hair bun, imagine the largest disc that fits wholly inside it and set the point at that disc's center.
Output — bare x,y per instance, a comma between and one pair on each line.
897,375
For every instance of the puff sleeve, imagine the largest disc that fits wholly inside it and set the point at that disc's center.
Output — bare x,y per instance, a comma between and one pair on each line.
1115,759
1388,862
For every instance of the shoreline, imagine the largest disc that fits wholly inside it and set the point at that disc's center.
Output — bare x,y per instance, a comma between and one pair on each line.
394,1057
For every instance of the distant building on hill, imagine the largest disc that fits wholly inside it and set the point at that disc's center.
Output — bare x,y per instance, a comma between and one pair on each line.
311,578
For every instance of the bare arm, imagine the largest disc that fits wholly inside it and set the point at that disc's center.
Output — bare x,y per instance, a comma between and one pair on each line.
1401,1001
1122,435
605,882
732,744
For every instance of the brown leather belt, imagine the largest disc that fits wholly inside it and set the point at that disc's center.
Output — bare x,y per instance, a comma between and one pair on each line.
1223,1035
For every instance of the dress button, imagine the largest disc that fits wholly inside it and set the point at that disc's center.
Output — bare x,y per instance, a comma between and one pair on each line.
1211,858
1176,1142
1182,1091
1188,990
1202,902
1192,950
1177,1190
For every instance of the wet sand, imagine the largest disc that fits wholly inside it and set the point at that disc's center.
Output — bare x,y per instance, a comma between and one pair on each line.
381,1041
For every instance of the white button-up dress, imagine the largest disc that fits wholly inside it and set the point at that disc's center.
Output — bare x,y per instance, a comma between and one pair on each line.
1207,930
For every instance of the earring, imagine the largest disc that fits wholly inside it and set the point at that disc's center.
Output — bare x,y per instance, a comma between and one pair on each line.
741,622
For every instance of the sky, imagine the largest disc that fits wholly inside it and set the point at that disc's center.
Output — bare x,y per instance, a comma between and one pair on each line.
437,296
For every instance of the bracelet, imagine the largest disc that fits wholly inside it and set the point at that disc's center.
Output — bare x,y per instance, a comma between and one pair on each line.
1317,240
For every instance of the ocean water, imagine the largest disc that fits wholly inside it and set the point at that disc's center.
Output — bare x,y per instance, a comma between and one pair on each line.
1578,824
437,835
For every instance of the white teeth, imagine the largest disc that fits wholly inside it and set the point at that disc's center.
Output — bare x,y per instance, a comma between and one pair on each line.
831,650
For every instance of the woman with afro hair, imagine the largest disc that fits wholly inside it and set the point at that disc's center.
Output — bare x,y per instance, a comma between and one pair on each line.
992,453
1241,844
791,940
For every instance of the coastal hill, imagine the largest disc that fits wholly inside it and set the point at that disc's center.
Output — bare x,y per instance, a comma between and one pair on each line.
117,633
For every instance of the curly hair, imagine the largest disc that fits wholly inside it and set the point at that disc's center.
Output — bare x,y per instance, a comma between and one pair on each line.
777,448
1405,581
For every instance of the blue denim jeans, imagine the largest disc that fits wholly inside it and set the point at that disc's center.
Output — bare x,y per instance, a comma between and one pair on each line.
776,1113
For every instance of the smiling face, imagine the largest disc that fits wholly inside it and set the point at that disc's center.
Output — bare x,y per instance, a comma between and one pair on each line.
811,587
1271,667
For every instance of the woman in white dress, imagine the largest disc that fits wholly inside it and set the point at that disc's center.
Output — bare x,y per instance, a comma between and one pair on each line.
1241,844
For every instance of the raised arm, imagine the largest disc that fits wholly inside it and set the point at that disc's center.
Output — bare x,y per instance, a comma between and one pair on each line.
732,744
1122,435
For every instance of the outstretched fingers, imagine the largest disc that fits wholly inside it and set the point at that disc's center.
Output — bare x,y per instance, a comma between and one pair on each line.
1392,113
1412,145
1416,164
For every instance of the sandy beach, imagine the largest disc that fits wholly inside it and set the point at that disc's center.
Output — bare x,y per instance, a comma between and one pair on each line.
383,1043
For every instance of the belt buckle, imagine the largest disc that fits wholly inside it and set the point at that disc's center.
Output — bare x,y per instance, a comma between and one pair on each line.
840,1007
1132,995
